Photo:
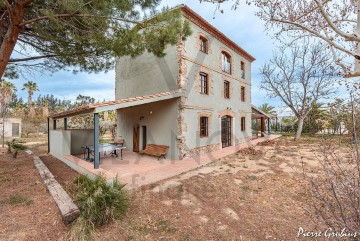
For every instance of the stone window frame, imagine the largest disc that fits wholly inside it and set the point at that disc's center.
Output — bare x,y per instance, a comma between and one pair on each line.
206,85
202,36
208,115
230,88
242,87
227,52
198,80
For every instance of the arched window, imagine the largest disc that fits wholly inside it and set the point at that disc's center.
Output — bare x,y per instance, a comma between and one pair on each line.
226,62
203,45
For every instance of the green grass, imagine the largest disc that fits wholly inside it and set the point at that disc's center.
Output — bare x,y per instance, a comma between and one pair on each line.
246,188
19,199
165,226
252,177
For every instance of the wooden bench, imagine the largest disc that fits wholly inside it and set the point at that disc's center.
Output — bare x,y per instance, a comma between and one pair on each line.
155,150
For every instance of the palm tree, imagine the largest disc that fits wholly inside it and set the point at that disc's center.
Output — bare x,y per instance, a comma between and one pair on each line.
31,88
268,109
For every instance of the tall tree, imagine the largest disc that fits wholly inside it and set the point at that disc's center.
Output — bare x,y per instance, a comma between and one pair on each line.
83,34
31,87
299,78
336,23
268,109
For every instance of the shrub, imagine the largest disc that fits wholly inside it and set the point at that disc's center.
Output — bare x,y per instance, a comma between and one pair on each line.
100,202
16,146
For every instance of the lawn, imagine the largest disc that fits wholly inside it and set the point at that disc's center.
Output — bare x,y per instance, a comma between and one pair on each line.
256,194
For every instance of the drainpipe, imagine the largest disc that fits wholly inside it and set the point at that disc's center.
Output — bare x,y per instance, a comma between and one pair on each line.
48,130
96,142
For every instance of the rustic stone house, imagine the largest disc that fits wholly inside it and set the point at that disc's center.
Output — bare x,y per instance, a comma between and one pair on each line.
208,80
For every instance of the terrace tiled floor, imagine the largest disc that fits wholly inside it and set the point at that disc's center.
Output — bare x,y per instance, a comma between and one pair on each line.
137,171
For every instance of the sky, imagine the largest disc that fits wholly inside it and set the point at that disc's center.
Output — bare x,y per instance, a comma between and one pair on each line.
241,26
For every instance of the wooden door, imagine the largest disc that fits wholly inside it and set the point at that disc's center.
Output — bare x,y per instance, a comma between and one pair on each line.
136,139
226,131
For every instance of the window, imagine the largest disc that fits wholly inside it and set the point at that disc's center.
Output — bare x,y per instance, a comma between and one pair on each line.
203,45
242,67
204,126
226,89
226,62
243,127
204,83
242,94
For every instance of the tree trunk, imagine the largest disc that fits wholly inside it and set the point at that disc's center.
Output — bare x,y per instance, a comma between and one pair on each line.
357,62
11,36
299,129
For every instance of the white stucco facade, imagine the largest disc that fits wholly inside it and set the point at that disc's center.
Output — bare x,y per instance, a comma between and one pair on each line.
176,122
12,127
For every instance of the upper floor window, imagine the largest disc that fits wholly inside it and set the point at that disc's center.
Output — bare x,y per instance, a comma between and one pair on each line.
242,68
226,89
204,86
226,62
242,93
243,126
204,126
203,45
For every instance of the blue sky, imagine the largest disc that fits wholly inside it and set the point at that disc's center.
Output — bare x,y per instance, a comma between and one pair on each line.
242,26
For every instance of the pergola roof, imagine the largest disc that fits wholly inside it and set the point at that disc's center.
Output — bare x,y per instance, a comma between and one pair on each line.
257,113
117,104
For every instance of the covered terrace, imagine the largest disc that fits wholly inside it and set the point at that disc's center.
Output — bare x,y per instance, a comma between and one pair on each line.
260,122
67,144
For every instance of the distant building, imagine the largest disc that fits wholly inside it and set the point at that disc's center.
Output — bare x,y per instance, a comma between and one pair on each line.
12,127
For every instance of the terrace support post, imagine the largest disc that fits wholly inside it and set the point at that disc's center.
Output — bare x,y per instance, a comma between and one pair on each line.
54,124
262,126
48,132
96,142
65,124
268,125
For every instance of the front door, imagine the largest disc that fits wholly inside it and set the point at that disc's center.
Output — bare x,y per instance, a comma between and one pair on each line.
136,139
226,131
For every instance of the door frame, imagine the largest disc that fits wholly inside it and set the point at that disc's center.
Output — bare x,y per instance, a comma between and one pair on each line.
228,131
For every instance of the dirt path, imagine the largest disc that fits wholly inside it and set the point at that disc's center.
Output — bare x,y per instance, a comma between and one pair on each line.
28,211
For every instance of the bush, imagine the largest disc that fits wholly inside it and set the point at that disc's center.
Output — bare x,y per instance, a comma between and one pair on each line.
16,146
100,202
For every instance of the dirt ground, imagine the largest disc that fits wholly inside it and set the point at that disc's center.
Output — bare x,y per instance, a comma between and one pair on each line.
28,211
256,194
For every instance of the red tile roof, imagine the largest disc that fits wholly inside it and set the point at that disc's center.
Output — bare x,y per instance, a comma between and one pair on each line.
205,25
89,108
